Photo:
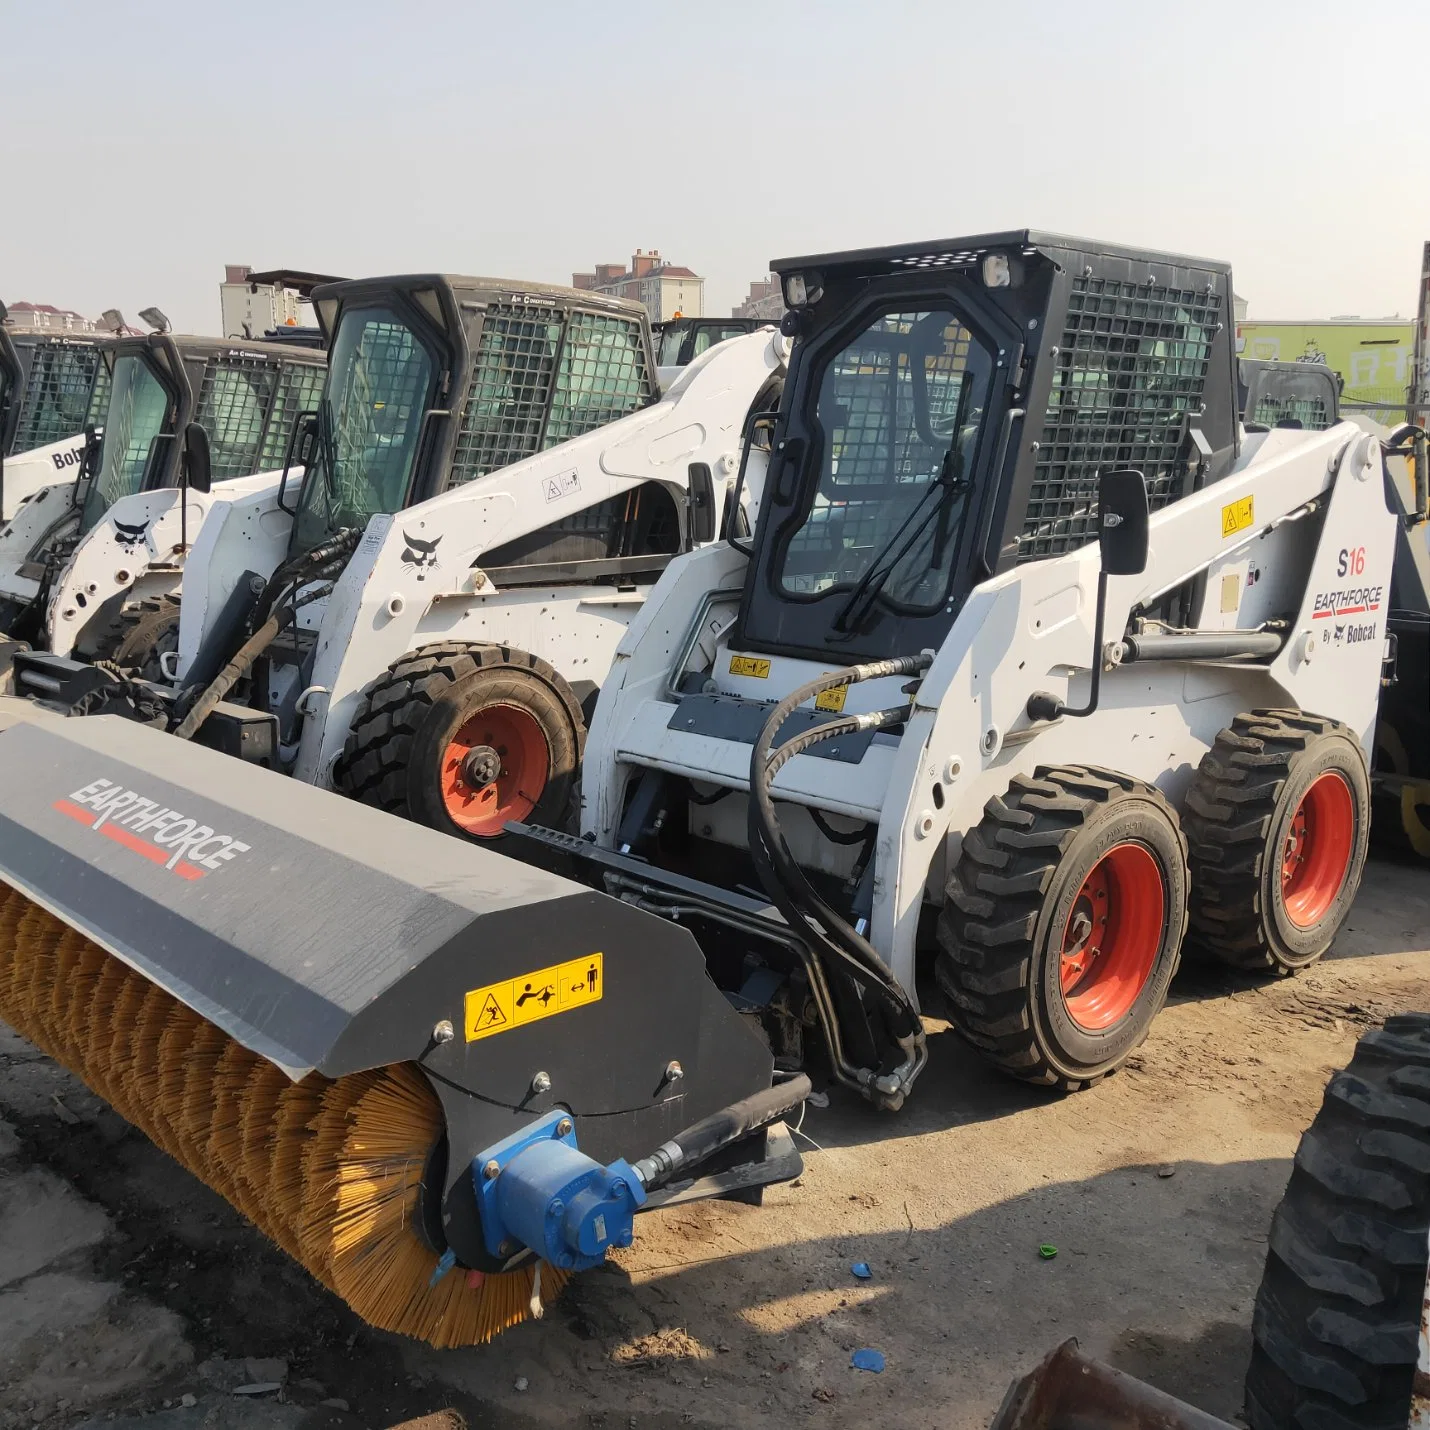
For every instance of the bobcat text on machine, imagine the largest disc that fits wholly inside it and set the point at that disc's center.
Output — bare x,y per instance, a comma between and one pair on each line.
493,482
52,387
81,556
1033,645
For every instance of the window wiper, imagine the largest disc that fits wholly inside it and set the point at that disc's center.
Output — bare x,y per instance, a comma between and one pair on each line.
949,483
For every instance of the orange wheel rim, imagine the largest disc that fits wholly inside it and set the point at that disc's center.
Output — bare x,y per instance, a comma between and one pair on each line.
1316,852
1112,936
494,769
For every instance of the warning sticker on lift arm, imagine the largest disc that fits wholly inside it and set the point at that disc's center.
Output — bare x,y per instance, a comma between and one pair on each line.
1238,516
534,996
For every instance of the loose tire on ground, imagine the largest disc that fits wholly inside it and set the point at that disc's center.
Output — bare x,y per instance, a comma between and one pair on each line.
1335,1332
1062,923
464,738
1278,822
149,630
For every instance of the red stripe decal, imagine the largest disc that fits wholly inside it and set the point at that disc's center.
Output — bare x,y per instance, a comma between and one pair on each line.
185,870
134,842
1321,615
74,811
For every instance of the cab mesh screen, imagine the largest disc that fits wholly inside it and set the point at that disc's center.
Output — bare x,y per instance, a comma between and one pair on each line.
531,390
299,387
234,402
511,386
99,395
602,377
1130,369
1310,412
56,400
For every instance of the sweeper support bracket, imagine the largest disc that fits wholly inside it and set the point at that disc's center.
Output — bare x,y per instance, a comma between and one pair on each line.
329,938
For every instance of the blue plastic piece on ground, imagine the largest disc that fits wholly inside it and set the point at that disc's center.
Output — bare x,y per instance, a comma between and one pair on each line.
861,1270
868,1360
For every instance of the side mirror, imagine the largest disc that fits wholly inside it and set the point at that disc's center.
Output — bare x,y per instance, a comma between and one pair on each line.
198,469
1122,513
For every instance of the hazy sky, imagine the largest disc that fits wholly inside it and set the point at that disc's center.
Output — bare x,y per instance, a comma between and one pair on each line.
145,145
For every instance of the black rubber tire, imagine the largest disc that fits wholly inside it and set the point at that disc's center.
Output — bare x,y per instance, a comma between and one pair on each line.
1241,800
150,629
1008,900
1335,1333
392,756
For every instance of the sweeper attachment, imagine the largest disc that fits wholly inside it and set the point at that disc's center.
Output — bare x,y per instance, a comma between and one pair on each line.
1038,658
439,1079
83,559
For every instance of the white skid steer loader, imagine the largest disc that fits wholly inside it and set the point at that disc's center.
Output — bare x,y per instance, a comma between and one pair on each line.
1035,645
517,483
52,388
82,560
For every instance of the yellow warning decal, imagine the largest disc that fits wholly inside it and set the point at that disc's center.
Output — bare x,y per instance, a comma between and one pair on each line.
749,665
1238,516
534,996
832,699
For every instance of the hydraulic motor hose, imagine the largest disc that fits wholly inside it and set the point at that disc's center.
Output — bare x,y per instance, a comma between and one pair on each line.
800,903
706,1137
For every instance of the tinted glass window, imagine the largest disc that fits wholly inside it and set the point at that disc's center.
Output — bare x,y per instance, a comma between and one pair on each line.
899,411
138,407
380,377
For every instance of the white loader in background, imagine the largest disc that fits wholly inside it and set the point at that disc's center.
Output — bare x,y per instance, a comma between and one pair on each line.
52,387
493,482
81,558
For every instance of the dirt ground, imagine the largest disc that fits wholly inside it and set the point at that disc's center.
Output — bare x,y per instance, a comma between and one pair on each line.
128,1290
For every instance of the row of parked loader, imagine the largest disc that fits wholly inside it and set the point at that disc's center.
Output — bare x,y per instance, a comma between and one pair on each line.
975,624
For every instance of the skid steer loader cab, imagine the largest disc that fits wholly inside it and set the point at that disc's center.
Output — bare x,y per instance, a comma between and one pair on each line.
901,480
246,397
919,712
51,390
437,381
84,552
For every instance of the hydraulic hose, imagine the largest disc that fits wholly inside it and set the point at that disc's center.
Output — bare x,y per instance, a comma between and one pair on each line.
232,673
794,896
316,564
703,1139
242,663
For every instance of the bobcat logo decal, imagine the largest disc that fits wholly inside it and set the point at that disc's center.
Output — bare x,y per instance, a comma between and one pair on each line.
420,555
130,536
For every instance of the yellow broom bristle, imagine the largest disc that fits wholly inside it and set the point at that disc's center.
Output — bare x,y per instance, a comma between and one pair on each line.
196,1109
292,1132
53,1004
258,1110
35,940
84,989
381,1266
235,1068
329,1169
116,1039
143,1083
